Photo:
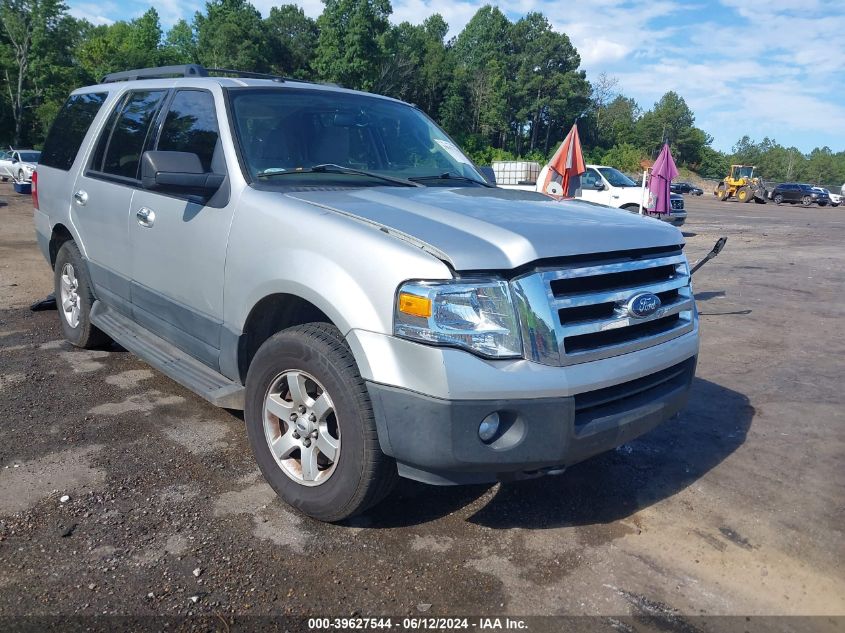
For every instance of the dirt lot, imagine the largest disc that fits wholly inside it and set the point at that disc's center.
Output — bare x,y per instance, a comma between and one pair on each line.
735,508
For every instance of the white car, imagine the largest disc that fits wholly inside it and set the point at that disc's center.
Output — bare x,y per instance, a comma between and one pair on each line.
19,164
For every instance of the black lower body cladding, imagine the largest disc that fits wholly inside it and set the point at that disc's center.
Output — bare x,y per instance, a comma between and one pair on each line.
437,441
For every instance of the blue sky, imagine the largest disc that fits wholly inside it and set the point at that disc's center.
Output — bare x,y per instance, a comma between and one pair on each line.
763,67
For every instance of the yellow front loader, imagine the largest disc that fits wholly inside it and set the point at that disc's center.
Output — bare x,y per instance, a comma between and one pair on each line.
743,185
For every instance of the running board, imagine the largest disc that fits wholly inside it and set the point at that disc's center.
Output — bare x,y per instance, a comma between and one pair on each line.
168,359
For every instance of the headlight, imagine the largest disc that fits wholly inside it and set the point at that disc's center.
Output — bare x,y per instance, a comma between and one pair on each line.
475,316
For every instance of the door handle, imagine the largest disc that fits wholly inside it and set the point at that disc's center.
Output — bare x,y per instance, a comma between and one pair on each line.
81,198
146,217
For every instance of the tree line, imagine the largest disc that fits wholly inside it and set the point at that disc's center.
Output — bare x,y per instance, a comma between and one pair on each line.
503,89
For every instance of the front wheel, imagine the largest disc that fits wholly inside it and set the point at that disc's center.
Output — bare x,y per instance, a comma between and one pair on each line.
74,298
806,201
311,425
778,198
20,175
722,193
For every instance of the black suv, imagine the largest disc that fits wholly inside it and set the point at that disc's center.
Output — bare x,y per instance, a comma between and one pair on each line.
685,187
795,193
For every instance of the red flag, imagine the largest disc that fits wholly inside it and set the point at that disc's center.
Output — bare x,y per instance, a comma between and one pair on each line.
566,167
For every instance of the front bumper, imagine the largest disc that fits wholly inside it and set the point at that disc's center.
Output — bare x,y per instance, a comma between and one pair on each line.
436,440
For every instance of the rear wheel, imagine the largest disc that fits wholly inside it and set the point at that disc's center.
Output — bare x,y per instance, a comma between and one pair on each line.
806,201
743,194
311,425
74,298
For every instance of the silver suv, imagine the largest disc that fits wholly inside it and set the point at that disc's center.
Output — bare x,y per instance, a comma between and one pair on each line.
332,263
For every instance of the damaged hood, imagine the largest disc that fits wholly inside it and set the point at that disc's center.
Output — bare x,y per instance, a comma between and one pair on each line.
495,229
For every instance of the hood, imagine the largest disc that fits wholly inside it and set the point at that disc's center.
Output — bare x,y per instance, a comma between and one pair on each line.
495,229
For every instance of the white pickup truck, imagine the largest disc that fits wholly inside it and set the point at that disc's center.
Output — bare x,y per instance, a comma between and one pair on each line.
608,186
18,164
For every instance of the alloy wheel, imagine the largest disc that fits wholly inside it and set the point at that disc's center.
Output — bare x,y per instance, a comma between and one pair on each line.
301,427
70,300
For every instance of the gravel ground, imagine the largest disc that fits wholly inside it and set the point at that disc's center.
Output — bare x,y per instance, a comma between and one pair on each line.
122,493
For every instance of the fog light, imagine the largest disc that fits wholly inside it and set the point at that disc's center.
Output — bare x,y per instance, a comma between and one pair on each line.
488,428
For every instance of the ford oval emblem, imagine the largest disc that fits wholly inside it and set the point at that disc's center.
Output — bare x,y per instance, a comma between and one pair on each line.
643,305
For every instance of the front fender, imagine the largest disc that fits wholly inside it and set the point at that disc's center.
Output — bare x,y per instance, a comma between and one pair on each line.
348,269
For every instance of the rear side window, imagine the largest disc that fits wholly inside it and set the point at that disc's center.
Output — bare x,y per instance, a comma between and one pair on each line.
69,129
191,126
123,139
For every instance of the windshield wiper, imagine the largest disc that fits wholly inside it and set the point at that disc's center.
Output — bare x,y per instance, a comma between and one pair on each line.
331,168
450,176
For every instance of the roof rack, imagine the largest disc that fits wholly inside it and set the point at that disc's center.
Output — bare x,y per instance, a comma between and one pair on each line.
184,70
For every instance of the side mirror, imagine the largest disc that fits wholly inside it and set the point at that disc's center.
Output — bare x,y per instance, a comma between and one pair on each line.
177,172
14,159
488,173
599,186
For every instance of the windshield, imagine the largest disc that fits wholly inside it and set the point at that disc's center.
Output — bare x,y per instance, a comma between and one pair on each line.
29,157
281,131
616,178
744,172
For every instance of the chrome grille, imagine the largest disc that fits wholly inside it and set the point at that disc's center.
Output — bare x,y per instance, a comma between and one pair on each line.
578,312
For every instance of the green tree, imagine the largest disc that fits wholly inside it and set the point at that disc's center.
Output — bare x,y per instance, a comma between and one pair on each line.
350,47
671,120
476,100
545,62
292,37
180,45
415,66
231,34
122,46
27,28
624,157
618,122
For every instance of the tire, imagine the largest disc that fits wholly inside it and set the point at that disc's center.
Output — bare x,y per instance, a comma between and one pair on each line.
74,298
778,198
743,194
20,175
806,201
349,472
822,204
721,193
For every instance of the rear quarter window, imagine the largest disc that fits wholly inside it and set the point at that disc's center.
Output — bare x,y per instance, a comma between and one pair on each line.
68,130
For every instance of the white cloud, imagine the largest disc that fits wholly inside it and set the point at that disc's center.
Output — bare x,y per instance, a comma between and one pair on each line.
94,13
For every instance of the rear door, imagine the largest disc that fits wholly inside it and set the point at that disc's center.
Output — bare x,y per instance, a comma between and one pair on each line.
60,160
103,192
178,243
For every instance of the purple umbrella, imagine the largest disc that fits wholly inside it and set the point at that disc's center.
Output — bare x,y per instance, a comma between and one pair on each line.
662,173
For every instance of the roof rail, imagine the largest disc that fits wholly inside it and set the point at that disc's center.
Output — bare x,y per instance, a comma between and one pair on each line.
185,70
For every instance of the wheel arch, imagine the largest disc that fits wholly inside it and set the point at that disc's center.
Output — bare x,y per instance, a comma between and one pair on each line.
58,236
271,314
